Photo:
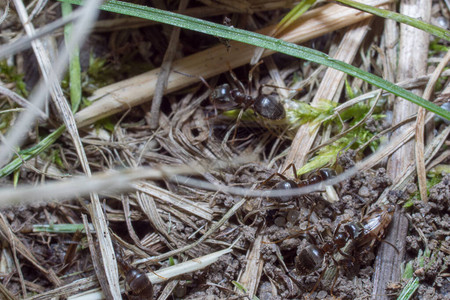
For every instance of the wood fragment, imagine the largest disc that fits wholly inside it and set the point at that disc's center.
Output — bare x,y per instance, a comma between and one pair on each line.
253,269
413,55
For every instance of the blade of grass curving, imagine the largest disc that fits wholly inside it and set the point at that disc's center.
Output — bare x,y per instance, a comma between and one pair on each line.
431,29
31,152
74,64
293,15
267,42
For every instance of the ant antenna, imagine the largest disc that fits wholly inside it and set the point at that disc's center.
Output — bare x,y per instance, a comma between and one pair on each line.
194,76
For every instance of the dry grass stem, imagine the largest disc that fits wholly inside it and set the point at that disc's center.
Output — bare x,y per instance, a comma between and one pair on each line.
420,129
198,209
161,82
408,176
251,275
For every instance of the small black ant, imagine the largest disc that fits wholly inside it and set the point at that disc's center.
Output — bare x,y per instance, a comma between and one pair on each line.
289,184
137,284
363,234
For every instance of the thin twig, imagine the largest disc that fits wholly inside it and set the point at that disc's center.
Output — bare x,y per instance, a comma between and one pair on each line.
420,128
161,83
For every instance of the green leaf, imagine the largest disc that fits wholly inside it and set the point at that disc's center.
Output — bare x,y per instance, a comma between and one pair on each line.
260,40
31,152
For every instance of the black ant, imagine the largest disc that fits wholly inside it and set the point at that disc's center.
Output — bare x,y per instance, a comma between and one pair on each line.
289,184
137,284
364,233
264,105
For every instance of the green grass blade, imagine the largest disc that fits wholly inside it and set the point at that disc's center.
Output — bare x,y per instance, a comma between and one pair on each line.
31,152
74,64
59,228
431,29
294,14
409,289
263,41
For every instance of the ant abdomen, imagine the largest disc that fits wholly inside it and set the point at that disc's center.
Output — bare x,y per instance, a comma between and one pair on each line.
308,260
265,106
269,108
139,286
285,185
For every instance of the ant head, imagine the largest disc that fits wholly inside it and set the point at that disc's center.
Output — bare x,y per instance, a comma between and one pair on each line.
221,94
326,173
340,239
390,208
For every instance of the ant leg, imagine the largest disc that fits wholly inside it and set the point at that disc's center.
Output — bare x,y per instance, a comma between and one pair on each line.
293,236
250,75
203,80
233,75
336,230
318,280
194,76
334,280
346,255
238,120
294,170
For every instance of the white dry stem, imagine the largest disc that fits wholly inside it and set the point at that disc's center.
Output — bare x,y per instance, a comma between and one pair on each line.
50,77
116,181
163,274
79,186
196,208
